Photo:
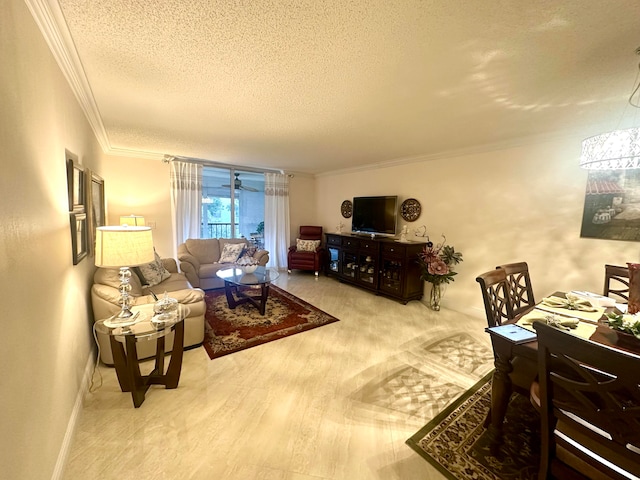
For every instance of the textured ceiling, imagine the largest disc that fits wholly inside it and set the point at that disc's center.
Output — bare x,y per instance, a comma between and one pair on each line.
315,86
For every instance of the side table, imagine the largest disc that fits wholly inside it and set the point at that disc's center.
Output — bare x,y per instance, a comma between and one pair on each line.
123,342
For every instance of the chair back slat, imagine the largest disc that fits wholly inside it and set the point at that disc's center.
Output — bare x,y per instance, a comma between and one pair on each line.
519,286
494,293
616,281
590,393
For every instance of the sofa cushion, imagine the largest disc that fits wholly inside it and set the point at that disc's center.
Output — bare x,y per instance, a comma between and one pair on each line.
154,272
231,252
206,250
307,245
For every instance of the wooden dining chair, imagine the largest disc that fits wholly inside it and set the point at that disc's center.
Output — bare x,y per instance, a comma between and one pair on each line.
589,400
497,305
616,281
519,286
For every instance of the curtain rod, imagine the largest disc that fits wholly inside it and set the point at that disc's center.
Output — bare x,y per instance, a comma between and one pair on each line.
212,163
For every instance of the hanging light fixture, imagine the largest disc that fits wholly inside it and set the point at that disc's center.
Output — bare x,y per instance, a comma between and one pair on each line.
617,149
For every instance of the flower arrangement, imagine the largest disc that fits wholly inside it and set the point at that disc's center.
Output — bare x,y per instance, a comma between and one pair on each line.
437,261
625,323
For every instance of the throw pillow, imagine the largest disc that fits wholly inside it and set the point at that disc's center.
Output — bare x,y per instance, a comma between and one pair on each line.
153,273
307,245
248,253
231,252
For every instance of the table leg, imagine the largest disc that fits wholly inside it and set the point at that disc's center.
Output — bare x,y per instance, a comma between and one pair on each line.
175,364
264,294
138,386
500,394
228,291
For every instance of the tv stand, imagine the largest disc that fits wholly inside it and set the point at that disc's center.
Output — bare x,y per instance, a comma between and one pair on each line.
379,264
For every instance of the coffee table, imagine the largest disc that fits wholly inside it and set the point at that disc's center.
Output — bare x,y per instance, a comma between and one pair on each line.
235,279
123,340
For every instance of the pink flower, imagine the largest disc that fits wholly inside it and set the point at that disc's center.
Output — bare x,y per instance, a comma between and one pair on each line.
437,267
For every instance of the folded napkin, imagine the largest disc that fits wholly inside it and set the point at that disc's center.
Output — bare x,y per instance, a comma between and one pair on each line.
571,302
548,318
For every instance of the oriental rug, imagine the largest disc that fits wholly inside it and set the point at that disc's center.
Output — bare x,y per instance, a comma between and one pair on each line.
228,331
456,442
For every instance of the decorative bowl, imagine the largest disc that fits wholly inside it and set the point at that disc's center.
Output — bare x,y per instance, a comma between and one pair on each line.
249,268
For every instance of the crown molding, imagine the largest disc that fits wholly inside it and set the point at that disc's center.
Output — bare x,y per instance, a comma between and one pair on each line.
53,26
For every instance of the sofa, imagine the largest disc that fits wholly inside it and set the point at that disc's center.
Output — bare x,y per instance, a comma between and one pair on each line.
201,258
105,296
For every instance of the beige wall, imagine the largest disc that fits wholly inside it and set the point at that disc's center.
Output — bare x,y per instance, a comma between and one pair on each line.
45,334
141,187
503,206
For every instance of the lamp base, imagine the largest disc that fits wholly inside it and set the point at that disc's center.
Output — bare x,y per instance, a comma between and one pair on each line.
120,321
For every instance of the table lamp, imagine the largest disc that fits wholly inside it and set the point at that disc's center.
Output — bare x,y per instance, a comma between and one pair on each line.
133,220
124,247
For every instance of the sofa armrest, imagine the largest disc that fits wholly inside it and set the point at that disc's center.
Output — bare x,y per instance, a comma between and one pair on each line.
190,266
262,256
188,295
292,248
170,264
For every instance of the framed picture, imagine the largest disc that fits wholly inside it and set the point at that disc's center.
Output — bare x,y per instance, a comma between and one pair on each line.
96,206
79,236
612,205
75,182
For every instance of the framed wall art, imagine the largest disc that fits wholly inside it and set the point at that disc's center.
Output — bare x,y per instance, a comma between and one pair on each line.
79,236
75,182
96,206
612,205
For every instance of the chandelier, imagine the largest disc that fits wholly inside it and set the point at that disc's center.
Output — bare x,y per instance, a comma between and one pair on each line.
617,149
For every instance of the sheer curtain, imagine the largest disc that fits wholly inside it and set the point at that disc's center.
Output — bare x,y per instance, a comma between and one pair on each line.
276,219
186,201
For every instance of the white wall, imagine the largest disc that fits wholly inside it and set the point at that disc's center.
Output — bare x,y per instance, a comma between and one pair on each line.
517,204
45,326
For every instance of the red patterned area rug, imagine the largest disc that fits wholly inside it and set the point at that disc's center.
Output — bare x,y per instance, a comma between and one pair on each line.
228,331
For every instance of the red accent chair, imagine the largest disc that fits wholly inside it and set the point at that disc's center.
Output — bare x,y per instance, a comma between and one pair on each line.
307,260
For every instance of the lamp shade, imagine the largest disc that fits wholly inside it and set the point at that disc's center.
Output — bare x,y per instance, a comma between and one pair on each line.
133,220
123,246
611,151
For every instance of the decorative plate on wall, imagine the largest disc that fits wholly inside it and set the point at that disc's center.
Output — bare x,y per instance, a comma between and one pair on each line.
346,208
410,209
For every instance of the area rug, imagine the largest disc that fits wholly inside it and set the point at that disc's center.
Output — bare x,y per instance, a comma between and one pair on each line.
228,331
456,442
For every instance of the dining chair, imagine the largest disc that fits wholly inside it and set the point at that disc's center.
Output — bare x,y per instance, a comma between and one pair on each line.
616,281
589,400
519,286
498,309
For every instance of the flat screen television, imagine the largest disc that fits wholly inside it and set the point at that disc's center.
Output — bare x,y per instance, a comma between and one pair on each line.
375,215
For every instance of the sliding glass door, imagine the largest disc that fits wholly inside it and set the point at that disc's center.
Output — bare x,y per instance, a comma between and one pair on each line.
232,204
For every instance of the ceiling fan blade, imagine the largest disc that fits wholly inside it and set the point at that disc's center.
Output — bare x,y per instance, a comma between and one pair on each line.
249,189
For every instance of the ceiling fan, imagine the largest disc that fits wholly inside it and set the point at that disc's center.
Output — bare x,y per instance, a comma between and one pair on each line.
237,185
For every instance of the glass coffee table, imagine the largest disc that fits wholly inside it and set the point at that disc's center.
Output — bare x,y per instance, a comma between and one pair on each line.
238,286
123,340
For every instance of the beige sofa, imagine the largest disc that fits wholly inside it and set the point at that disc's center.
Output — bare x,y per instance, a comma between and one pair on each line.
105,300
199,260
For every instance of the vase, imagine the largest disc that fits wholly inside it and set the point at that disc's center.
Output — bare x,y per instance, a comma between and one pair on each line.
634,288
435,296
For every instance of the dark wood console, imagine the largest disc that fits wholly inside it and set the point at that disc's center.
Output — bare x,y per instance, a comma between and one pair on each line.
382,265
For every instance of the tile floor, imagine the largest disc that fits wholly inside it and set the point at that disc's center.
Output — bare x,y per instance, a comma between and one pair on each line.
334,403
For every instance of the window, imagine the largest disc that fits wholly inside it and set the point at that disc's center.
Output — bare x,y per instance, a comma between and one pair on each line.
232,204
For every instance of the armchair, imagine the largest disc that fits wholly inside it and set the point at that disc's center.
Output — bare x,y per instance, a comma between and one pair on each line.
308,252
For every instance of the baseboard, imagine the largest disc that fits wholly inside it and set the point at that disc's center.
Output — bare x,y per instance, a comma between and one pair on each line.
73,420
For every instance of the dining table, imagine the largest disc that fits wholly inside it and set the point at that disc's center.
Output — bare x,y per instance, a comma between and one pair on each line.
589,324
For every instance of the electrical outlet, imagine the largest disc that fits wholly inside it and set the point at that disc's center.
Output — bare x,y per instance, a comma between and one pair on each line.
151,225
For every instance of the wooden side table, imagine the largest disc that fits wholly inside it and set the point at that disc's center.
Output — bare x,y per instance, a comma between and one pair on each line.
123,341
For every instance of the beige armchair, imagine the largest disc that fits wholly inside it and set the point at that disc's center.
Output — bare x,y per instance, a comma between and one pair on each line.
105,297
200,259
